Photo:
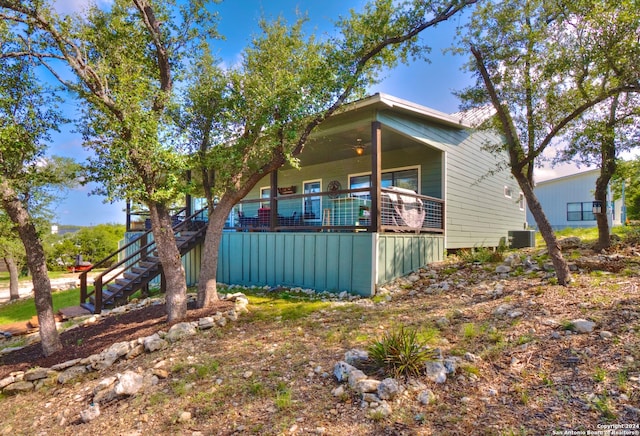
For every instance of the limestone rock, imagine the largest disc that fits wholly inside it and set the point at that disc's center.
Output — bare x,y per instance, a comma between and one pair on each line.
36,374
426,397
366,385
382,411
206,323
154,342
569,243
451,364
7,381
503,269
436,372
583,326
71,373
136,351
232,315
90,414
128,383
180,330
356,357
354,377
341,371
606,334
388,389
65,365
19,386
338,392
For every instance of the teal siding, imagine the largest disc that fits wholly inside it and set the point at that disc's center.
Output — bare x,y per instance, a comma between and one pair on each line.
322,261
400,254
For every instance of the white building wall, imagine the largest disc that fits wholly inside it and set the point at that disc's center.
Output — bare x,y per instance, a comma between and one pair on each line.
554,196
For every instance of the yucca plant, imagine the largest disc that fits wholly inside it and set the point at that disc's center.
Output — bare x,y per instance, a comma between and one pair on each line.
400,353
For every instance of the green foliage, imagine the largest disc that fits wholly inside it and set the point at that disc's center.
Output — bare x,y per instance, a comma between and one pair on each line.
400,353
536,54
481,255
24,309
599,374
283,397
602,404
93,243
628,172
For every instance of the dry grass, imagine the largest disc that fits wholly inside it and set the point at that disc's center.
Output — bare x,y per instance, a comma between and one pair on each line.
270,372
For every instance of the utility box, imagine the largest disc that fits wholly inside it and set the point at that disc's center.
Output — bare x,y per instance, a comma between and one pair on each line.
522,238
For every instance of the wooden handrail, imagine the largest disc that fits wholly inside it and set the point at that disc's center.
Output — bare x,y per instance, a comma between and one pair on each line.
99,280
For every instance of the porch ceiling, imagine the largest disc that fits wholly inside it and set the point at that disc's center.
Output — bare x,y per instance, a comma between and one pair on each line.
337,144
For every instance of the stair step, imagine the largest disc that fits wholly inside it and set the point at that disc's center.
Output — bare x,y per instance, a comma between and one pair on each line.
147,264
89,306
114,291
131,276
190,234
124,283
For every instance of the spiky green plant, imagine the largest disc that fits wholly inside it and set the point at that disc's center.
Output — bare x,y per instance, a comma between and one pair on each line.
400,352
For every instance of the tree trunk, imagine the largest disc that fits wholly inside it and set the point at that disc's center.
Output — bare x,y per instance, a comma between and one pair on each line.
171,261
14,276
604,241
37,263
207,282
560,265
608,166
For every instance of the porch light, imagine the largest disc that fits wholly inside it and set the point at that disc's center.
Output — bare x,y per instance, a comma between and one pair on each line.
596,207
359,148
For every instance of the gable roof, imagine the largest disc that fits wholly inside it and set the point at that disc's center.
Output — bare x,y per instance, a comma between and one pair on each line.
381,100
569,177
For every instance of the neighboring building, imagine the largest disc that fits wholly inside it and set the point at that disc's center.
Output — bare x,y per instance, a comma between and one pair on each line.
330,226
568,201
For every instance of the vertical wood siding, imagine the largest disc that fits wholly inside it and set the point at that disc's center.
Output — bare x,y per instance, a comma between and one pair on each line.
322,261
400,254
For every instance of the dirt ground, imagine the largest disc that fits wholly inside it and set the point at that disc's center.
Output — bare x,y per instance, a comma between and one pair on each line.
270,372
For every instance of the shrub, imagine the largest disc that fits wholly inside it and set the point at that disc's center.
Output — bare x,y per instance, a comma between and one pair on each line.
400,353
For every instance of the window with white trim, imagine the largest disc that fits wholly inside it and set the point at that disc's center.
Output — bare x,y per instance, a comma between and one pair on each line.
402,178
265,193
312,205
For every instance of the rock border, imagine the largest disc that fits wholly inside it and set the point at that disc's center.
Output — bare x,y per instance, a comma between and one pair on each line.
129,383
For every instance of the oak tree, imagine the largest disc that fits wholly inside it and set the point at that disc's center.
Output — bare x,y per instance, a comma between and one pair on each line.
542,65
246,121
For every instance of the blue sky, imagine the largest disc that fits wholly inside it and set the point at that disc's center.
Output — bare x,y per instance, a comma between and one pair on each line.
430,84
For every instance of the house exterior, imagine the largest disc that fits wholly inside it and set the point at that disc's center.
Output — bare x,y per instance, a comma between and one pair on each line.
384,187
568,201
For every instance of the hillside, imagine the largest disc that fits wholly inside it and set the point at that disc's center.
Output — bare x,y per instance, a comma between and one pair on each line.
524,362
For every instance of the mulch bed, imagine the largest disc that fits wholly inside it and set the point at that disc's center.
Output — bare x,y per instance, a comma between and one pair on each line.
88,339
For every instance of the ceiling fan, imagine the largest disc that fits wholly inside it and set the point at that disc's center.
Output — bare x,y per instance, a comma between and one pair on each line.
360,147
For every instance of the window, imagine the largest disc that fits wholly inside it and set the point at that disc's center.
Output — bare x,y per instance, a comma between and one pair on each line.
265,193
521,202
404,178
580,211
312,205
507,192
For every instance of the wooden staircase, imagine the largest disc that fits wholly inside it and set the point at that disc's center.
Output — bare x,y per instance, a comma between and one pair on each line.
138,265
